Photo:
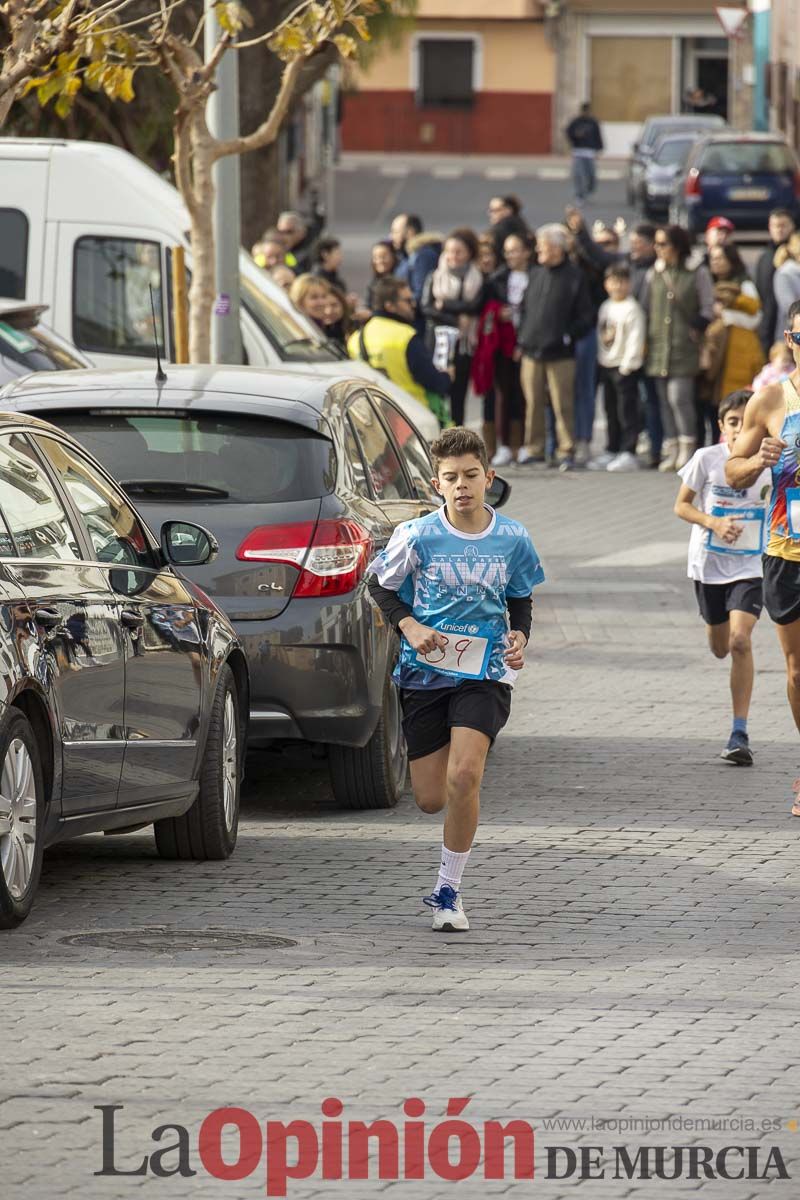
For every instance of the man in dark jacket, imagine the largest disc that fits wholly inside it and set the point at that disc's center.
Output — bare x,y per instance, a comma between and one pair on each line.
640,257
557,313
584,136
781,228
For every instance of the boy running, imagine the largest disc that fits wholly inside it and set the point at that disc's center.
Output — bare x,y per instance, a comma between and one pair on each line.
457,586
770,438
725,561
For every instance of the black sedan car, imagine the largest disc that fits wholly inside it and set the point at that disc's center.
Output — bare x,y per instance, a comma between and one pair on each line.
301,478
124,689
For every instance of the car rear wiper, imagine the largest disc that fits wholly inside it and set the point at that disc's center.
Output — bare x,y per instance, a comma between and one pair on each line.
173,487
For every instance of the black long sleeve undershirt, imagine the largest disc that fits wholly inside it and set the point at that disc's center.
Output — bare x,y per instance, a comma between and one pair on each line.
520,608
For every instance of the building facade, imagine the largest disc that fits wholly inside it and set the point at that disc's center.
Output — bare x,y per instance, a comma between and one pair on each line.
471,78
638,58
783,79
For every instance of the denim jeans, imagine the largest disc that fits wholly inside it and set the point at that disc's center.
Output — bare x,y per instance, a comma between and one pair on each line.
585,385
584,177
652,414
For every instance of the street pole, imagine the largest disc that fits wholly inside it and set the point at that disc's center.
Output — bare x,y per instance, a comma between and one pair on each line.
222,115
761,17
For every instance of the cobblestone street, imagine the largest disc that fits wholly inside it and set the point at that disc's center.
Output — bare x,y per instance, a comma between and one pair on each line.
631,900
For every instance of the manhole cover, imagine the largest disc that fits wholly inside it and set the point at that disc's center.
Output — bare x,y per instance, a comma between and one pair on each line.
160,939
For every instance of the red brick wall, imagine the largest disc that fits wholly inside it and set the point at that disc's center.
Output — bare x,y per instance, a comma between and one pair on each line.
498,123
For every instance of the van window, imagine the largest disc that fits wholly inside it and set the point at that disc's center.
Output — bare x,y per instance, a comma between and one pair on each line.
13,253
111,311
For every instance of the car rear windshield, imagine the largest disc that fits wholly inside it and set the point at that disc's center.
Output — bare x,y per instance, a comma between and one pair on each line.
673,153
216,457
33,349
752,158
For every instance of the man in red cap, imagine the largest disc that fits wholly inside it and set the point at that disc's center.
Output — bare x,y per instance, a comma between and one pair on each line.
719,230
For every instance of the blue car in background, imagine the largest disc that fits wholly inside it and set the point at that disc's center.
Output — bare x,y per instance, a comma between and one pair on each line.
741,176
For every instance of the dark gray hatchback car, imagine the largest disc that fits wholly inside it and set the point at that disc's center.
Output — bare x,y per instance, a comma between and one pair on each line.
302,479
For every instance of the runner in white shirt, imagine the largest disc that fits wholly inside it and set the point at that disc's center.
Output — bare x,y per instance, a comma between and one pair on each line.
725,561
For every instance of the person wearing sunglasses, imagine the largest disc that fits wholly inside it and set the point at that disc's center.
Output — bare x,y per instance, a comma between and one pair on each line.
770,438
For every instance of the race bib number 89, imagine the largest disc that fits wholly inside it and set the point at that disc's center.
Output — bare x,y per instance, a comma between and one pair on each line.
463,656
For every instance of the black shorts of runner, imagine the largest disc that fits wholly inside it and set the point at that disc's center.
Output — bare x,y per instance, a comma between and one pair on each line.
782,589
430,714
717,601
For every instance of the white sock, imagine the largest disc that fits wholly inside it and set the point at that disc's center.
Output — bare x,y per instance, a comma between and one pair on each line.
452,868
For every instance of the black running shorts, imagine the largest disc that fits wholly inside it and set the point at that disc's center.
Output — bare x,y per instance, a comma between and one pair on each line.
782,589
717,601
430,713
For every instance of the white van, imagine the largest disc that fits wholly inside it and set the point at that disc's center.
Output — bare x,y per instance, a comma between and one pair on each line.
85,228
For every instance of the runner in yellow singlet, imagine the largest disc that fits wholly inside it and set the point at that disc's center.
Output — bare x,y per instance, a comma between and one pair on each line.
770,437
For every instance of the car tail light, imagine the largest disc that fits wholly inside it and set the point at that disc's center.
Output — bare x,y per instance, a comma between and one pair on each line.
330,558
692,187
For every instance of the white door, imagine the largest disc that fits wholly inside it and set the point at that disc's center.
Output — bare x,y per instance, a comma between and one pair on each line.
23,198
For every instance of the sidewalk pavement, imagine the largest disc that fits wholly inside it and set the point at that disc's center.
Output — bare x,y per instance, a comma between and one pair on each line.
631,896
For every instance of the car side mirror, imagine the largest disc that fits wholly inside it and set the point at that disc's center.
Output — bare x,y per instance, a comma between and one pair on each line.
185,544
499,492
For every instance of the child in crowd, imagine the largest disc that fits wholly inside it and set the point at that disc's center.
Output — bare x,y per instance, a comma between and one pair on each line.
725,561
779,367
621,325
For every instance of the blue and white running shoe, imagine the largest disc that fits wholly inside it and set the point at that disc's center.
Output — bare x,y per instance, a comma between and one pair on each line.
738,750
448,911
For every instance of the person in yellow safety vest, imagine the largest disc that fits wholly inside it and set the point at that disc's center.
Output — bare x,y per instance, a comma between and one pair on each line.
390,342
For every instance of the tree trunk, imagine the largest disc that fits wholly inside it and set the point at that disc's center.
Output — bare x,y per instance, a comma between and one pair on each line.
203,286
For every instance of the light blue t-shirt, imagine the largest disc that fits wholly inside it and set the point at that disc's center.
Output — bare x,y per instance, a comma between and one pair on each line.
458,583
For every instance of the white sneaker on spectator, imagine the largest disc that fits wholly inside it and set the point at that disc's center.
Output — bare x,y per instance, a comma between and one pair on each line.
624,462
524,456
600,463
502,457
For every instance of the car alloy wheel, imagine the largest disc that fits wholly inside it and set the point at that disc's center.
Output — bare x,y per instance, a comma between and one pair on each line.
22,808
230,760
17,819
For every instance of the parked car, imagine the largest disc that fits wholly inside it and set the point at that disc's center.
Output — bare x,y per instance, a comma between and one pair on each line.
741,176
660,171
87,228
302,479
124,689
653,130
28,345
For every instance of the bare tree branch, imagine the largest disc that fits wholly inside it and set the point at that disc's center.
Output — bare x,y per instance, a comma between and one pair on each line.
268,130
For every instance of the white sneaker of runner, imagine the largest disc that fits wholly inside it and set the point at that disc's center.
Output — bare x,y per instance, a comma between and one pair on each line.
448,911
502,457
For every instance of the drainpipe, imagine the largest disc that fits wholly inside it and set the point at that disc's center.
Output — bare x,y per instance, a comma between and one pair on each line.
761,16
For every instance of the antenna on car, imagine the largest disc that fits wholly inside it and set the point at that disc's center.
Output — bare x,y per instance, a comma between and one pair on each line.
160,376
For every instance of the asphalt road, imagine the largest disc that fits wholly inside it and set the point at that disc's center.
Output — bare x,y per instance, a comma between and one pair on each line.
447,193
630,978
